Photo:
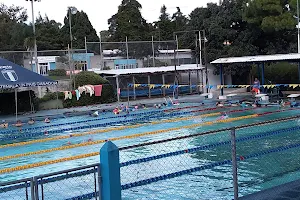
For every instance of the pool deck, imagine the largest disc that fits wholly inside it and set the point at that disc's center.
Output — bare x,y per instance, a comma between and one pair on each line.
288,191
88,109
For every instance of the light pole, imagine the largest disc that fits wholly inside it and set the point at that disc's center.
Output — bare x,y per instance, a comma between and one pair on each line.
298,26
71,11
34,36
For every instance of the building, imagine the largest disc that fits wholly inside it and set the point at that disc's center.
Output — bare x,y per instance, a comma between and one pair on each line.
82,62
182,56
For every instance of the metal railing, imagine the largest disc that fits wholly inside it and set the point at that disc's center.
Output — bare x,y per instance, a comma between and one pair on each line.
157,162
78,183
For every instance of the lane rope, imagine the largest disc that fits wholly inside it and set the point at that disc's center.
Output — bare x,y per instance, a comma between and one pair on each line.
115,129
97,119
33,134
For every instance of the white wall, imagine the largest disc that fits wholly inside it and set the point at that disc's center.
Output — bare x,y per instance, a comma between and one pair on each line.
212,79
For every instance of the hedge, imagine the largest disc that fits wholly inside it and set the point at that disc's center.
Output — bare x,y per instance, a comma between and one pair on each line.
57,72
91,78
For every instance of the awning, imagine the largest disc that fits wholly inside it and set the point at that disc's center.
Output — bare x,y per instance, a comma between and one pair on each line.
14,76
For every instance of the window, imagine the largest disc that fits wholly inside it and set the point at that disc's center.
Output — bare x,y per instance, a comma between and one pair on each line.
81,65
43,68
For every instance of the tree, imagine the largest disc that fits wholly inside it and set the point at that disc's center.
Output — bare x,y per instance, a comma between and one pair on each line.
13,30
48,34
270,15
128,22
224,23
179,20
163,28
81,28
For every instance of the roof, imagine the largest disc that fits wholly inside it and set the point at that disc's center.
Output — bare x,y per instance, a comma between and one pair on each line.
13,76
147,70
259,58
170,51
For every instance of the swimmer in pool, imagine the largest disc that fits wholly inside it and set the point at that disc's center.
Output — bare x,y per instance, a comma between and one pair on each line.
4,124
95,114
47,120
18,124
31,121
223,116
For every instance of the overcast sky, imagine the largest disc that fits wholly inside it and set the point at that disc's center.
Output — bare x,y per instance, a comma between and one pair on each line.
99,11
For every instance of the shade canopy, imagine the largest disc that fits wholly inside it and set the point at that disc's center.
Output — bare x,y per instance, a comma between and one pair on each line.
14,76
258,58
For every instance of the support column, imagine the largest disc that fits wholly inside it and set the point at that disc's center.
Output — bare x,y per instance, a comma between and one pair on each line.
110,172
263,76
190,83
16,103
118,88
234,165
164,83
299,71
149,82
198,82
133,81
202,81
221,79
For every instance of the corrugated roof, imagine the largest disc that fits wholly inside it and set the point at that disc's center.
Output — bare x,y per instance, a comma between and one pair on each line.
259,58
147,70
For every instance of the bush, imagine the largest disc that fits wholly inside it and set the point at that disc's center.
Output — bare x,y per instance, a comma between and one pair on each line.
57,72
278,73
51,96
90,78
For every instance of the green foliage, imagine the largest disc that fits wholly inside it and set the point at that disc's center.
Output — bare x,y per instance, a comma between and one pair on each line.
106,68
164,28
81,28
51,96
278,73
108,96
48,34
270,15
128,21
57,72
89,78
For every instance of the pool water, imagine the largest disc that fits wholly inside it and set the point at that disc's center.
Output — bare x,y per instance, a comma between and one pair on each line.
254,174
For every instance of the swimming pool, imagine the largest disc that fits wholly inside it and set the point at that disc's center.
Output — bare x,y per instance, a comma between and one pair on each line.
182,122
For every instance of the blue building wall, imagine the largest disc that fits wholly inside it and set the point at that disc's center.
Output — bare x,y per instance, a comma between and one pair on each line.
52,65
83,57
125,62
33,68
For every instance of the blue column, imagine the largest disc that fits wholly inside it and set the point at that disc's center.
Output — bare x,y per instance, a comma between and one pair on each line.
263,76
110,172
221,78
258,71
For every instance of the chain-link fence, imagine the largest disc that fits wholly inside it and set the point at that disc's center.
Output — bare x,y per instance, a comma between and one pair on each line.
79,183
201,165
138,54
168,170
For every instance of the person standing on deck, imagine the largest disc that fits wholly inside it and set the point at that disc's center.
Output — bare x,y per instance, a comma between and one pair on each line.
256,86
